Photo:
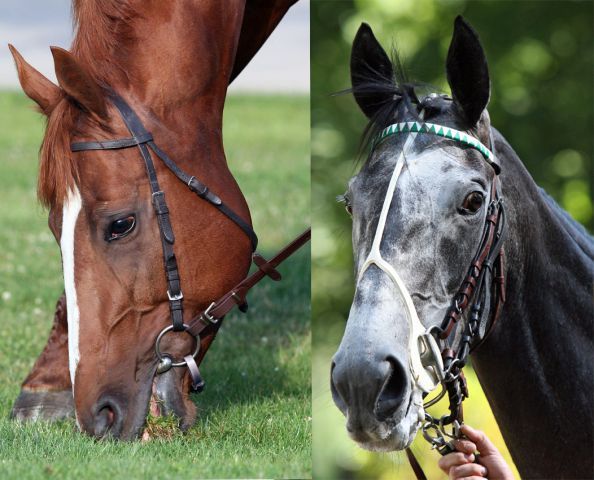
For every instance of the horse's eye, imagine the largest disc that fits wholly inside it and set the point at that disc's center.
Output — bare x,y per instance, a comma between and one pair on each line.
347,203
120,228
472,203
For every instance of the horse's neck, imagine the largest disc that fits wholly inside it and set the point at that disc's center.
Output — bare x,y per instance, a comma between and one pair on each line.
172,62
536,368
171,56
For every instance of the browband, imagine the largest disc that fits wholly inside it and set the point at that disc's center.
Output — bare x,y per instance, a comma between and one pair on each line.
112,144
445,132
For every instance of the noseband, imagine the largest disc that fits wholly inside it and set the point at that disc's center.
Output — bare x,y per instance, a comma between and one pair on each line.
142,139
433,358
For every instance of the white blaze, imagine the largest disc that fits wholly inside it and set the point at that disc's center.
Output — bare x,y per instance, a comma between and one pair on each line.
70,212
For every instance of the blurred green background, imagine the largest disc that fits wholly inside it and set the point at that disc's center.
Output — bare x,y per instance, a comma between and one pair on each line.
540,57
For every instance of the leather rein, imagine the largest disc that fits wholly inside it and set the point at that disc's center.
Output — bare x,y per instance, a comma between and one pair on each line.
236,297
476,305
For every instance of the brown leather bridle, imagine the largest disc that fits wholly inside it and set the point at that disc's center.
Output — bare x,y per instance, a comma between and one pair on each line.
483,290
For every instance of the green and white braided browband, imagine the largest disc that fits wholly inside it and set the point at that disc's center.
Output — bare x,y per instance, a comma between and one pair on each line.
446,132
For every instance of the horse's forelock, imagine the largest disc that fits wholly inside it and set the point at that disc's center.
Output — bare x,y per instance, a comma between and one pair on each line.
58,171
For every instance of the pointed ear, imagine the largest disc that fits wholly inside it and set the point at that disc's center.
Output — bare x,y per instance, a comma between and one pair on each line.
37,87
370,69
78,84
467,72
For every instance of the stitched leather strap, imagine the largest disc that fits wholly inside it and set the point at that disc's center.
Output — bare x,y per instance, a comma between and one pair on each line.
237,295
140,137
263,265
144,140
203,192
416,466
480,271
112,144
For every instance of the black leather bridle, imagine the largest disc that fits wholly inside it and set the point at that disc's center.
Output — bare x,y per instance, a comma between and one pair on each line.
142,139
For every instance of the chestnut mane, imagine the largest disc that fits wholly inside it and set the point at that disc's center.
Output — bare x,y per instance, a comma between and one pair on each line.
101,28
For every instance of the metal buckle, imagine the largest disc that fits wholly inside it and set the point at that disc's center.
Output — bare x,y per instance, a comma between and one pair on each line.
172,298
457,307
206,314
201,193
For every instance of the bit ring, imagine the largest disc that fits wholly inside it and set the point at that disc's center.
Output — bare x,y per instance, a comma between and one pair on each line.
160,355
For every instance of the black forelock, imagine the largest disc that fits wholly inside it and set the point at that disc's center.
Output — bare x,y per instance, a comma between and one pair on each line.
403,100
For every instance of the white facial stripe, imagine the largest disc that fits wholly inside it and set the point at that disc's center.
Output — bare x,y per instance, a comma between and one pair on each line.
419,374
70,212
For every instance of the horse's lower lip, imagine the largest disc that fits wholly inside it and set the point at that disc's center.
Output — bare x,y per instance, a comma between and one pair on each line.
154,410
406,430
155,405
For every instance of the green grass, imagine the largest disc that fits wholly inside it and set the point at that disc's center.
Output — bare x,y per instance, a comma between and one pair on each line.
255,414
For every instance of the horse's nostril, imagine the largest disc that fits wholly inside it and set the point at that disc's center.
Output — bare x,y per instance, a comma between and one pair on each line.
339,400
107,419
392,394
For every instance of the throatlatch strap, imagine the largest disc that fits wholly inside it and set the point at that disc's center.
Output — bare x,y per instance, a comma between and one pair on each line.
203,192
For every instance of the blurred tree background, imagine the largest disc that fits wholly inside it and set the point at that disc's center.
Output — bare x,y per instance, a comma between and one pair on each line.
540,57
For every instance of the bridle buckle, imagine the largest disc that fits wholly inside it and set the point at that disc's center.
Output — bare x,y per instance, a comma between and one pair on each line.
173,298
207,316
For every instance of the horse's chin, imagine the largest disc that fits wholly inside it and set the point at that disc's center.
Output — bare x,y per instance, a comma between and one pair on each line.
392,435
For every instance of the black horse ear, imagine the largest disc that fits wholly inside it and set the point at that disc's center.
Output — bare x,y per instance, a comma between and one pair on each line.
467,72
371,72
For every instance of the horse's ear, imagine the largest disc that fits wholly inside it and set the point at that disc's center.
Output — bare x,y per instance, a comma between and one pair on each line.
37,87
370,70
467,72
78,84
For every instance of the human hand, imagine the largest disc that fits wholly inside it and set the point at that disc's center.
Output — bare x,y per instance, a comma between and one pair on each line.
459,465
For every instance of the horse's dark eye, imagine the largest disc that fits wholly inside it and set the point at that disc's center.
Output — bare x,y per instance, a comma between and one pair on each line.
120,228
349,209
472,203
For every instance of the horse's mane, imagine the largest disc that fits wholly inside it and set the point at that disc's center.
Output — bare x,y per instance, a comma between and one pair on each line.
576,232
100,29
103,28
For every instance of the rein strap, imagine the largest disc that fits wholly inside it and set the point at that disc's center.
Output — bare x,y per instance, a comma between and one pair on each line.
236,297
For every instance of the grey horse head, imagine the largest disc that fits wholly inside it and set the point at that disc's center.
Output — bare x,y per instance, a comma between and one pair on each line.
434,219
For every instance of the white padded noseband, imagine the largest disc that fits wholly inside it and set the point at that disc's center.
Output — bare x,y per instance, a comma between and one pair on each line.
426,375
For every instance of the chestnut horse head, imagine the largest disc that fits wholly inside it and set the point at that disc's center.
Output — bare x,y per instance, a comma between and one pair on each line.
172,63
